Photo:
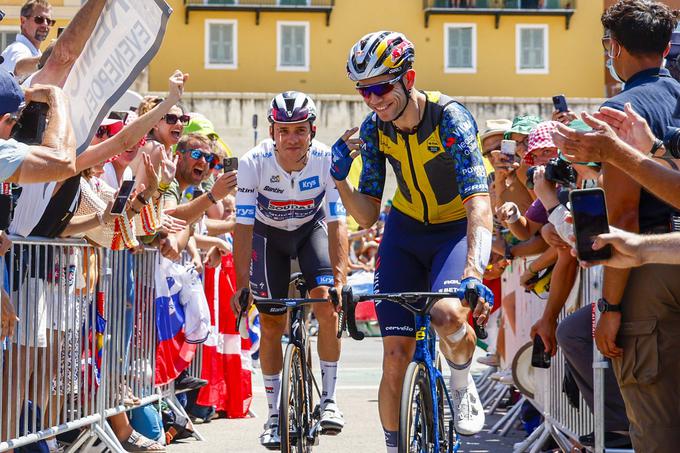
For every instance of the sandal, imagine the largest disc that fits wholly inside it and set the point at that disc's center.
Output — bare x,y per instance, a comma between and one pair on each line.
127,397
138,443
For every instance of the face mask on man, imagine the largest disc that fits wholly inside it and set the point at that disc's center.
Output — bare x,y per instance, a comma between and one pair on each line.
610,67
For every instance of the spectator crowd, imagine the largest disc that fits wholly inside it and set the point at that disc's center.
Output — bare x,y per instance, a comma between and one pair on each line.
183,205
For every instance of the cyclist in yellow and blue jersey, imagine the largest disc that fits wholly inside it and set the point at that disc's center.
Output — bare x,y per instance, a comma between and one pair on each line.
438,233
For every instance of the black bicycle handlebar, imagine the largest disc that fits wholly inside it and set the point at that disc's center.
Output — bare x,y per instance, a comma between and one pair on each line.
243,304
472,297
347,320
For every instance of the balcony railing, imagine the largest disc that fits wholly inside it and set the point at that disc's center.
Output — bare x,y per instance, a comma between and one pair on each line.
500,8
260,6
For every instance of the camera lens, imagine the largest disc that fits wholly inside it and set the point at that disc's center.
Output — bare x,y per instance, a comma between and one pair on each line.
671,141
530,177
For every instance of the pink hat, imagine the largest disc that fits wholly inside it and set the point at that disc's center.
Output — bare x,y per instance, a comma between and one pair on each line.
540,136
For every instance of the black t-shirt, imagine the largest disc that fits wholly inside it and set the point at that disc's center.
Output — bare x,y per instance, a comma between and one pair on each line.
655,95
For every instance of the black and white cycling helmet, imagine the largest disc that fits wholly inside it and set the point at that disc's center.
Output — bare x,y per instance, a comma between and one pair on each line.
291,107
378,53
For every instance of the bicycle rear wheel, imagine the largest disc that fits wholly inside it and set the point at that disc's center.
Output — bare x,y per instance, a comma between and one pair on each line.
416,430
292,407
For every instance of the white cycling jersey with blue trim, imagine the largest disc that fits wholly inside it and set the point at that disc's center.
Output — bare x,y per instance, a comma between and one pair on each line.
270,195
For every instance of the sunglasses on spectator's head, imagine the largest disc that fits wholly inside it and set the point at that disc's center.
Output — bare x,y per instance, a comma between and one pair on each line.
197,154
40,20
171,118
379,89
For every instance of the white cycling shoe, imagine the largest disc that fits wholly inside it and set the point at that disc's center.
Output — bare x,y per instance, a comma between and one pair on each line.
468,411
270,438
331,420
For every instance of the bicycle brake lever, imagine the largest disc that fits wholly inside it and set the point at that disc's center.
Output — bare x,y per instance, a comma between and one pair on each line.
472,298
243,303
348,306
335,299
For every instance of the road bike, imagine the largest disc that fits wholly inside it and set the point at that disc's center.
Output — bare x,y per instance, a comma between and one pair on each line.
422,425
299,425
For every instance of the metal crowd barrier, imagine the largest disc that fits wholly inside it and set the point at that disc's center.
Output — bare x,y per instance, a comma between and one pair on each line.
561,420
68,366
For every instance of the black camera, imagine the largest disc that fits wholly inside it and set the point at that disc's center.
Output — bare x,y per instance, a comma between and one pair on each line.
31,124
556,170
671,141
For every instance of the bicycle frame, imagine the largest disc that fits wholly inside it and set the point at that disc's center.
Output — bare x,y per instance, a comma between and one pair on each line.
426,349
426,343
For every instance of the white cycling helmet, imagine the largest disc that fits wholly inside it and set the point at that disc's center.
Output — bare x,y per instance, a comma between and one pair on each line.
291,107
378,53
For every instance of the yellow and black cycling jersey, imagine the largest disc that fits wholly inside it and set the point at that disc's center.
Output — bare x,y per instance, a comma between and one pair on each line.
438,167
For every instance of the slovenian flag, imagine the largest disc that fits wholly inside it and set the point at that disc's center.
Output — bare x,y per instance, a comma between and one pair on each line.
173,353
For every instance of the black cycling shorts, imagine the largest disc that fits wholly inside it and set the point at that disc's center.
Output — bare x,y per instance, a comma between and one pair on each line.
273,250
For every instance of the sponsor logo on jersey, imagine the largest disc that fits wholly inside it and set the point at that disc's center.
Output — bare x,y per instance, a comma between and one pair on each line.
273,189
324,280
245,190
432,146
292,205
337,209
246,211
275,179
309,183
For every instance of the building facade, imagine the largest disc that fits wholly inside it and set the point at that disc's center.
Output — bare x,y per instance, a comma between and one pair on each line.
480,48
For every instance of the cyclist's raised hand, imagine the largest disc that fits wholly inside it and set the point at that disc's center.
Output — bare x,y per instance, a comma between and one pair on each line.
343,153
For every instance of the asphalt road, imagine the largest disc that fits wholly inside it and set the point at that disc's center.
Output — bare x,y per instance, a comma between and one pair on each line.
357,395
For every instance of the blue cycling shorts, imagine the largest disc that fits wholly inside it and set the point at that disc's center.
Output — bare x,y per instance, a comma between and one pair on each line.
414,257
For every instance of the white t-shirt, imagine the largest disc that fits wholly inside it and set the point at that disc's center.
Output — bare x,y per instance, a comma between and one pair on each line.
110,178
18,50
286,200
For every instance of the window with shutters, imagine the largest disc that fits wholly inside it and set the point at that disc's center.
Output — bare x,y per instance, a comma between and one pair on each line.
292,46
460,48
221,47
532,49
7,36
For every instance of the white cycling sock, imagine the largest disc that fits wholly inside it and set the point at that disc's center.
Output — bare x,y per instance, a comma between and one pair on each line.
329,376
272,387
459,375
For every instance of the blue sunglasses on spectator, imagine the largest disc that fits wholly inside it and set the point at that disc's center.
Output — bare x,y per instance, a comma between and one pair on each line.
197,154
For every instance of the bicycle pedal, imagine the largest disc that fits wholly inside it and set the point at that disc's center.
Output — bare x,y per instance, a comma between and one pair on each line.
331,431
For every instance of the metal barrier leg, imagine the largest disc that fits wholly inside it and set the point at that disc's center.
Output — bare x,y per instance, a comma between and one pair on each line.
111,441
561,439
536,447
513,419
85,436
529,441
498,398
177,407
493,387
485,388
515,408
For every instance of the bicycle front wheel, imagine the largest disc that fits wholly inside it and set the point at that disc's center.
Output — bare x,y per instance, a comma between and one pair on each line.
292,409
416,430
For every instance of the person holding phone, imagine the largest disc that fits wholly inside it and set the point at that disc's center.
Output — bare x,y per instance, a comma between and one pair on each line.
287,205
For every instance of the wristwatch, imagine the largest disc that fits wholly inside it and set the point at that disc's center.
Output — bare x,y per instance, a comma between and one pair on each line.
658,144
604,306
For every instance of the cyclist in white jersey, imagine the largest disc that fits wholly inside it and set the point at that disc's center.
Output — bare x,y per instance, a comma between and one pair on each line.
287,206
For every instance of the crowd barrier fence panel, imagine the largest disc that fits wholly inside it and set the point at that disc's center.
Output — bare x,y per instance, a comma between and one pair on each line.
68,356
561,419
